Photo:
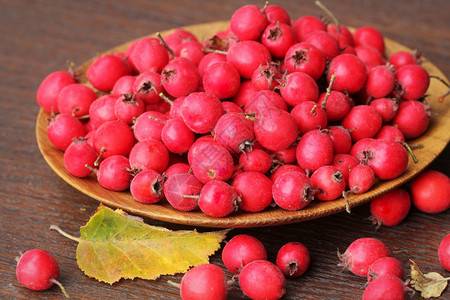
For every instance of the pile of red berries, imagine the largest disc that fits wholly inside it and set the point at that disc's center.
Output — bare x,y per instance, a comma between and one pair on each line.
270,110
245,257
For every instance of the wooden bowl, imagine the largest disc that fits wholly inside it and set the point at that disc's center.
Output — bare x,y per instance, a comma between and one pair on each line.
434,142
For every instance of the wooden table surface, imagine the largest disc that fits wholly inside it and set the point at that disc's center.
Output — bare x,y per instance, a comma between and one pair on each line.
39,36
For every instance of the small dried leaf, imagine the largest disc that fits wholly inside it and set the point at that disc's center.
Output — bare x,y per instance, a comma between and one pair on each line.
429,285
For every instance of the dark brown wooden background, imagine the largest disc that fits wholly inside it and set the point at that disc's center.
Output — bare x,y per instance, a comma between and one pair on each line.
37,37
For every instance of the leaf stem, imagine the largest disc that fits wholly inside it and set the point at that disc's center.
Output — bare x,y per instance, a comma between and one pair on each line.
173,283
55,227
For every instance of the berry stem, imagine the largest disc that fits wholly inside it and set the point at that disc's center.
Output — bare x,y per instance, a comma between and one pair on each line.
190,196
85,117
328,93
165,44
441,98
165,98
55,227
329,13
208,50
60,286
347,204
97,161
408,148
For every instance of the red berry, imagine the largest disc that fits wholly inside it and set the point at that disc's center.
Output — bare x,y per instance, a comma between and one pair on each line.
205,281
257,161
363,121
149,125
391,133
193,111
77,156
412,118
235,132
147,87
248,22
176,136
401,58
350,73
361,254
149,55
385,287
285,169
241,250
114,173
247,56
37,270
255,190
387,158
210,59
306,58
307,24
217,199
180,77
369,36
276,13
149,155
113,138
182,191
102,110
345,163
298,87
127,108
391,208
413,80
292,190
278,38
444,252
336,105
222,80
386,107
105,71
369,56
62,129
360,179
49,88
212,162
380,81
329,182
262,279
293,259
190,49
275,129
124,85
75,99
325,42
315,149
147,187
430,192
383,266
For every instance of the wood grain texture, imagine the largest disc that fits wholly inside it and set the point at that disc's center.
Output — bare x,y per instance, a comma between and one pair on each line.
38,38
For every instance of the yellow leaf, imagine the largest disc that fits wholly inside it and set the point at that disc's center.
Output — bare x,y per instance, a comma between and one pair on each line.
429,285
114,245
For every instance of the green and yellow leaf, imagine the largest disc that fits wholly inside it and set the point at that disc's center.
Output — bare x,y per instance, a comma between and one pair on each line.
113,245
